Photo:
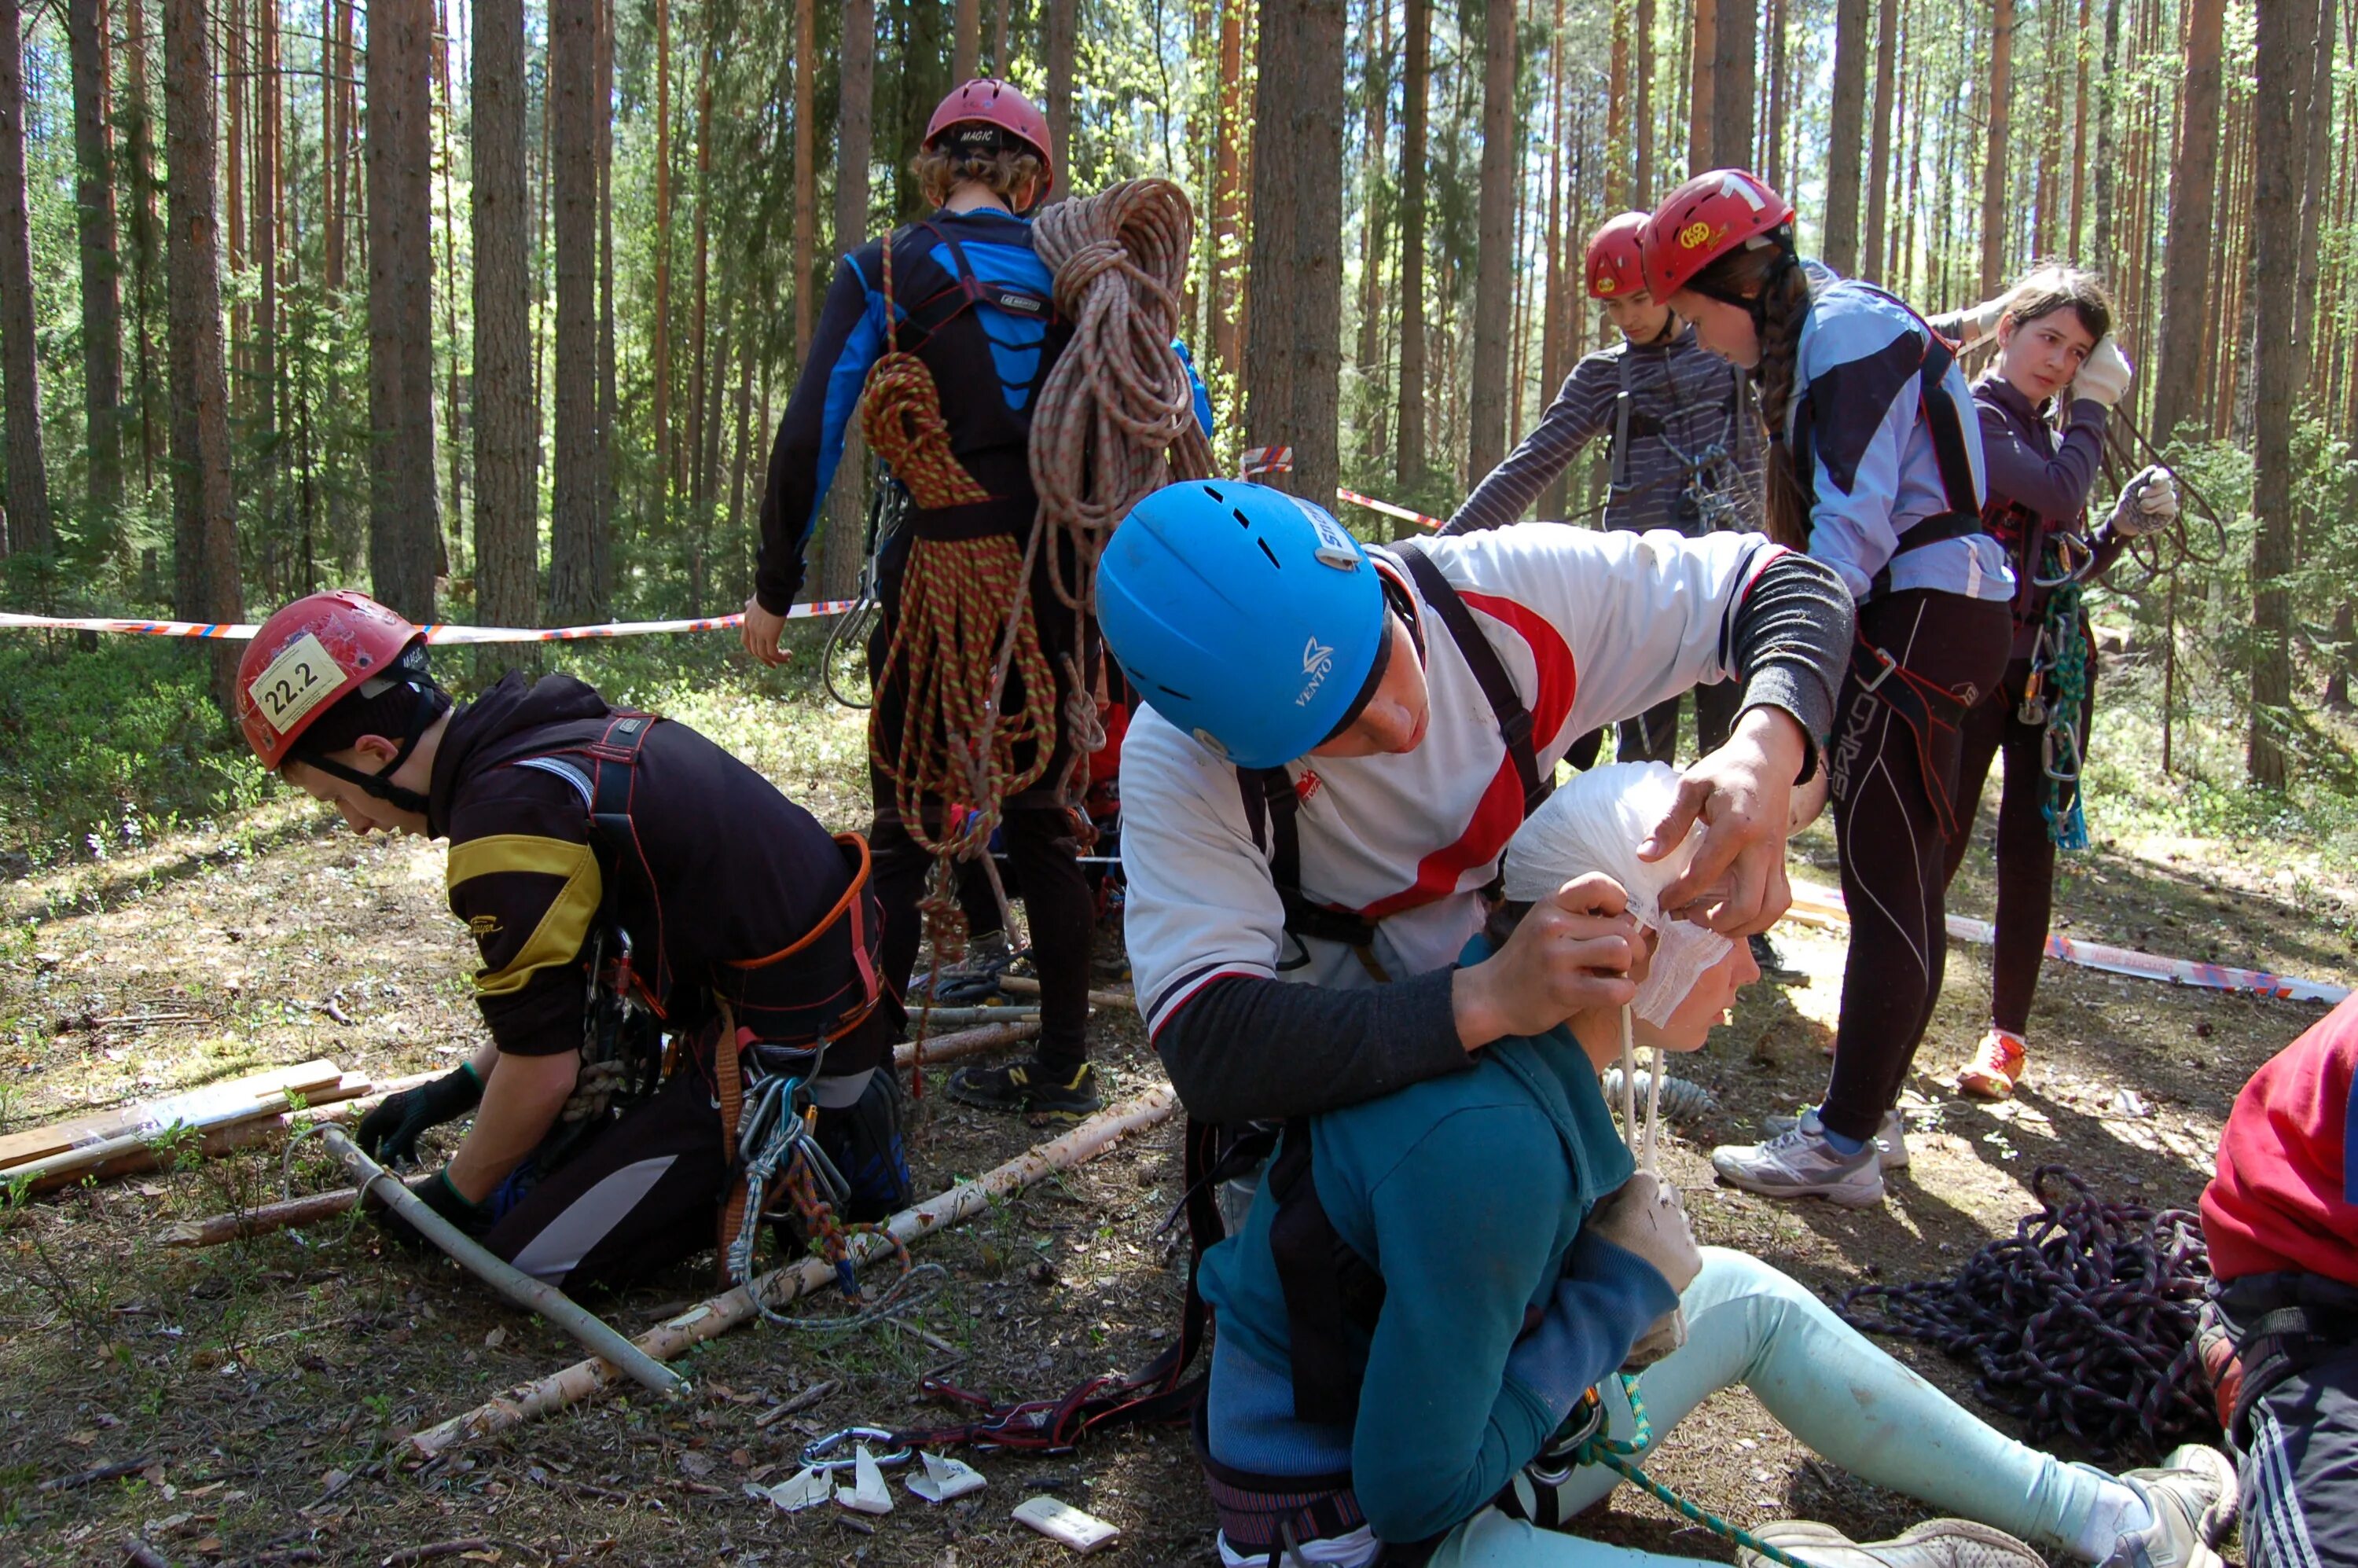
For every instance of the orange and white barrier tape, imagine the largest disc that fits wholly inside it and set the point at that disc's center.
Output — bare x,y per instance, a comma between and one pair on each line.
441,632
1815,906
1387,508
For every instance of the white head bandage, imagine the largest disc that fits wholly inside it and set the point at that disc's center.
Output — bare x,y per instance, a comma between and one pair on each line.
1595,823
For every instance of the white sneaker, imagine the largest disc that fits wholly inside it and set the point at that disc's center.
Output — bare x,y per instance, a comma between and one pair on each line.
2193,1497
1801,1164
1935,1543
1890,1137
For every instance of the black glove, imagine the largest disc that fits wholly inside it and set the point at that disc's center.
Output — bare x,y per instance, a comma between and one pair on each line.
472,1219
389,1134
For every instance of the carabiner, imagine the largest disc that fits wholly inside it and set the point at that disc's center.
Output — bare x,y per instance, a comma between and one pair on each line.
816,1453
2067,546
2046,750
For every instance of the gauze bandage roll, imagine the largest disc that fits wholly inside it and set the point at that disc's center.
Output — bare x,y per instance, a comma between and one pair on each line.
1595,824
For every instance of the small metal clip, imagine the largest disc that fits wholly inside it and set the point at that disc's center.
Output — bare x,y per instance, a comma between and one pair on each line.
819,1454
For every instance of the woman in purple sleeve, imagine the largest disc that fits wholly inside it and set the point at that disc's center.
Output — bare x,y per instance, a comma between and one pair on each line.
2043,403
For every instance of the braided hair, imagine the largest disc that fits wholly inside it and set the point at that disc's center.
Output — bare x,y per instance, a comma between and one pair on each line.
1767,279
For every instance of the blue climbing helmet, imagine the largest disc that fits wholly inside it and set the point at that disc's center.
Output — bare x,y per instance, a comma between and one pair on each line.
1252,621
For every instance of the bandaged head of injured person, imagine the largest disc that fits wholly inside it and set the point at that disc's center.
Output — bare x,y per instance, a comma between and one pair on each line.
1595,824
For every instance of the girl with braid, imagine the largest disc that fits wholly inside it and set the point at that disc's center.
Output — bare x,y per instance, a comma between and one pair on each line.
1874,469
2044,403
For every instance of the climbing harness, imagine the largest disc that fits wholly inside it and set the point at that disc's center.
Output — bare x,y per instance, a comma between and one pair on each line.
2082,1322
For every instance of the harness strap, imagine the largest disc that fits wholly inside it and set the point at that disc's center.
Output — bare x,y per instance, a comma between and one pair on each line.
966,290
1924,706
728,1085
1325,1282
1490,673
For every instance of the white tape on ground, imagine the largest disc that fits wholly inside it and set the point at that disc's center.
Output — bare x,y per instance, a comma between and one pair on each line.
1815,906
440,633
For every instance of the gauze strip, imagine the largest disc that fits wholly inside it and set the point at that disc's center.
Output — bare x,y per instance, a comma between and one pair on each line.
1595,823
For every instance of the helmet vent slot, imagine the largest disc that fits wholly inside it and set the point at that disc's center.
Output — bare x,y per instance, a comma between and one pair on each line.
1269,552
1238,513
1216,495
1173,692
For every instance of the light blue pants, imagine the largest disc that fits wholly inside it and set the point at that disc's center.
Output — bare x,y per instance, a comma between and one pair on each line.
1827,1385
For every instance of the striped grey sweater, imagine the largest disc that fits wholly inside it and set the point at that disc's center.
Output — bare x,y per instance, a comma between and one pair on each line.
1681,396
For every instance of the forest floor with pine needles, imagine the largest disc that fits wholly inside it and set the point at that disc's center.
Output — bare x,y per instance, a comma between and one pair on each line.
265,1385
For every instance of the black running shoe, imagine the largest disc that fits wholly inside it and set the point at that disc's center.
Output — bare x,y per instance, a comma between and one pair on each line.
1772,963
863,1139
1031,1086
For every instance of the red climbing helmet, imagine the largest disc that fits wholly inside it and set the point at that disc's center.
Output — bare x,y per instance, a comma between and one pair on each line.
1615,265
308,657
1704,219
987,101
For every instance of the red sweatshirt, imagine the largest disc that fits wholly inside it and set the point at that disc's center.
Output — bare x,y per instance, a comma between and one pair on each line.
2286,1197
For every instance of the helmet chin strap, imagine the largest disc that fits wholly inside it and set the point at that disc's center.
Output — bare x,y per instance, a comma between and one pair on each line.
380,783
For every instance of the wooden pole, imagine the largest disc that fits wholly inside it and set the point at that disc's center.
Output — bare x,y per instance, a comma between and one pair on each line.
1020,986
710,1319
305,1210
221,1227
534,1295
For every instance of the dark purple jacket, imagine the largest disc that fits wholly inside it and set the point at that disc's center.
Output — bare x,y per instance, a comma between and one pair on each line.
2042,480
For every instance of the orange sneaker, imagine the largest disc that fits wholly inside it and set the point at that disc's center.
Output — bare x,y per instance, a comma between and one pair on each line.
1999,1063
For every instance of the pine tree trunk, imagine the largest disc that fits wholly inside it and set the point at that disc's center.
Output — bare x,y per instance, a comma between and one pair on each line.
1846,121
1878,159
1228,194
661,327
449,225
2185,270
1617,110
404,510
507,534
266,390
1374,94
204,516
807,174
1058,23
146,234
1734,48
1486,446
843,538
700,343
966,40
1703,91
1003,14
577,545
1417,83
1642,194
610,396
102,294
30,529
1773,133
2314,124
1293,375
1995,210
2078,234
2107,92
2288,41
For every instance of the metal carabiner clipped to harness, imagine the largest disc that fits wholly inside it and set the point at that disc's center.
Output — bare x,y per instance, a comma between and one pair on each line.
820,1454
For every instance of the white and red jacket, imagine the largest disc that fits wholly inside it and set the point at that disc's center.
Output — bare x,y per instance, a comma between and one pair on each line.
1591,627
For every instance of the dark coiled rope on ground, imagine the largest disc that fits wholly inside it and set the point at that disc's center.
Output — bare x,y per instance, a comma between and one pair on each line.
2082,1322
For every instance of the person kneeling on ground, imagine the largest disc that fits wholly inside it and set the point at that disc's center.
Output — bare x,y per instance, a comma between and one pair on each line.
623,879
1496,1211
2280,1333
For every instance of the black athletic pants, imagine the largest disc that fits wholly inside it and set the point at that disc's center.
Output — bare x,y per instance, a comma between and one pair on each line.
1894,852
1042,851
2026,855
2296,1441
642,1196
